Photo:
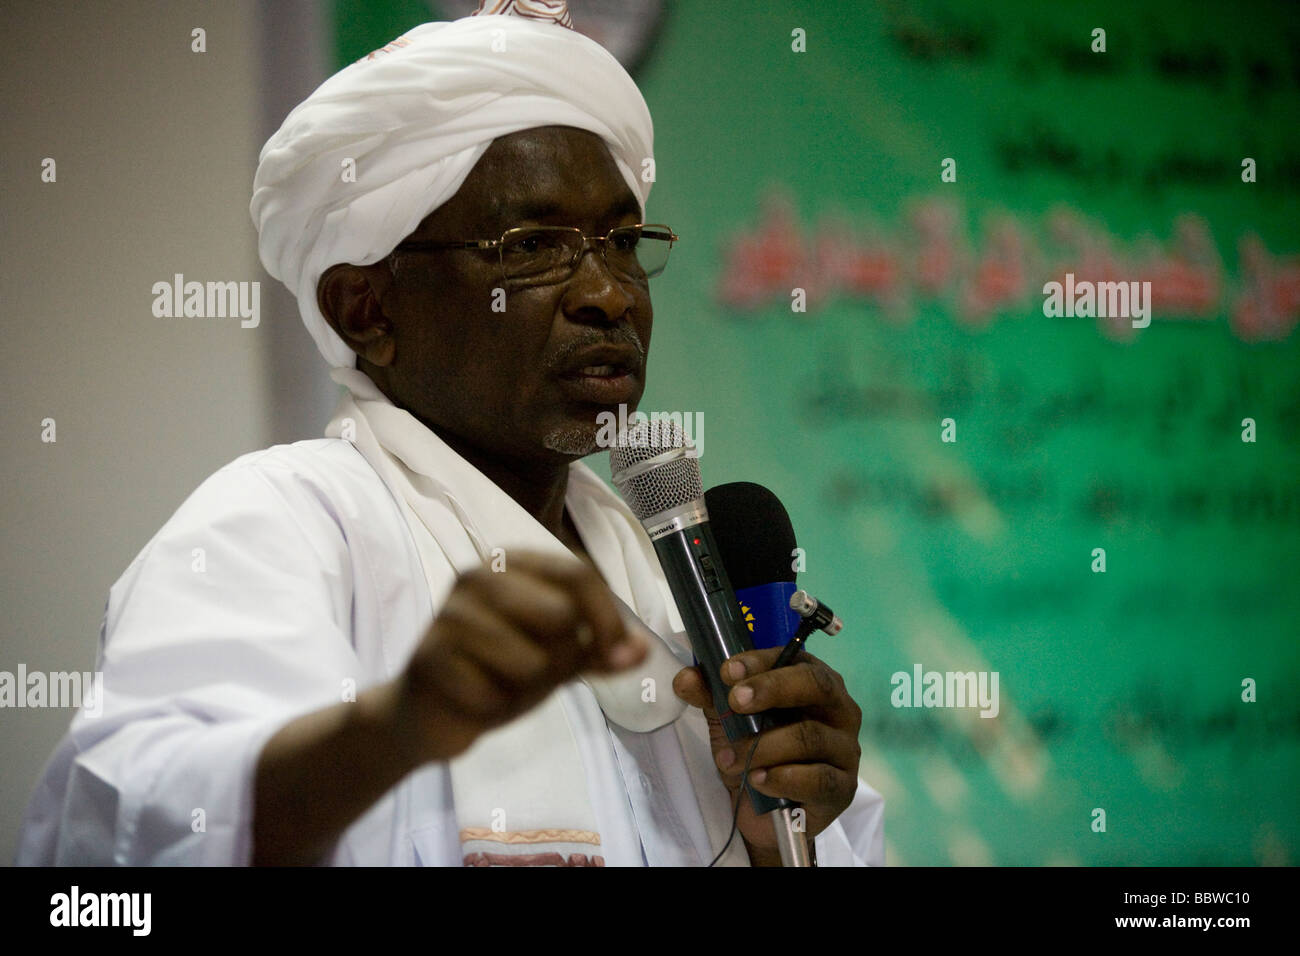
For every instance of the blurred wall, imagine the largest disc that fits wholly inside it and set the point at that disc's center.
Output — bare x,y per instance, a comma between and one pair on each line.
154,147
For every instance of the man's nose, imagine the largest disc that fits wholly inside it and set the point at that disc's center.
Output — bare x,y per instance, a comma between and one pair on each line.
594,292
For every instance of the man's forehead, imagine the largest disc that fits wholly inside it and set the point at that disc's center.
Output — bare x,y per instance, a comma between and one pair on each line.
547,174
532,207
527,143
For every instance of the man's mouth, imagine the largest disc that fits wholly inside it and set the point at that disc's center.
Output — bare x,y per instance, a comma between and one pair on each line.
604,375
601,371
601,385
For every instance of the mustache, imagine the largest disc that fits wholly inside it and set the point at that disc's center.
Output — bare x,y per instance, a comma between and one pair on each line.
619,335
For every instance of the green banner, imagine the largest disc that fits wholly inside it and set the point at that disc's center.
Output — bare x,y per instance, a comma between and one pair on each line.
1095,514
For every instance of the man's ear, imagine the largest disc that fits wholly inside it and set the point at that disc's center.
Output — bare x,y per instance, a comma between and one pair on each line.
349,297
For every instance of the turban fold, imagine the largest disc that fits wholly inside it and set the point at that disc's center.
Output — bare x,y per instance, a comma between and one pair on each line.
412,119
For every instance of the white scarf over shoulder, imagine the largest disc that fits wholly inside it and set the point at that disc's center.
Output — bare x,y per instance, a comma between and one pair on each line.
521,791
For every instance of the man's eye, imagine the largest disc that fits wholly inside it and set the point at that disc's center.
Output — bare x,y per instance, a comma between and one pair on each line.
532,244
624,241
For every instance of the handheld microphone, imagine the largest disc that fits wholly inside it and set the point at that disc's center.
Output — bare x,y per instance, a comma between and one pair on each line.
757,544
661,484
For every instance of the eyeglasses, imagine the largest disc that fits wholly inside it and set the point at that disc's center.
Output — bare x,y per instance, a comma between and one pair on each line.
541,255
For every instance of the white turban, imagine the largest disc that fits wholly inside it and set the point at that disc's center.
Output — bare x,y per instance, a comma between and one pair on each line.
413,119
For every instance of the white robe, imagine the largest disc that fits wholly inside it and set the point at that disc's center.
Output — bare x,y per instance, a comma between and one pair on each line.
287,574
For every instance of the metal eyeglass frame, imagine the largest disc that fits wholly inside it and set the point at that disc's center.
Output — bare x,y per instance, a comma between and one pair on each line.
432,245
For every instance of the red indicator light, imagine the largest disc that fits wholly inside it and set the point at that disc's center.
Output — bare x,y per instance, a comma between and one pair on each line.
697,540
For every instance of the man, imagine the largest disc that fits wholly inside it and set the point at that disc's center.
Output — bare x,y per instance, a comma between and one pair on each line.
437,638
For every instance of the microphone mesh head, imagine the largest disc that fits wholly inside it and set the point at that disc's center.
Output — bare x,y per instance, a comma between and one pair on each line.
652,470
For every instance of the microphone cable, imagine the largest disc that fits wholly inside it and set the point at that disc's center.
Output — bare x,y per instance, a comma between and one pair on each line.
735,808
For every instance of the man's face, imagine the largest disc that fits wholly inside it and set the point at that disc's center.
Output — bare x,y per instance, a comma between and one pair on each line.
526,383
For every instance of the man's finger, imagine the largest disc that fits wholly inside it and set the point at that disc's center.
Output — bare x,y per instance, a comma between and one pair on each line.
566,607
505,652
813,784
538,605
466,689
809,684
690,686
612,645
807,741
748,663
